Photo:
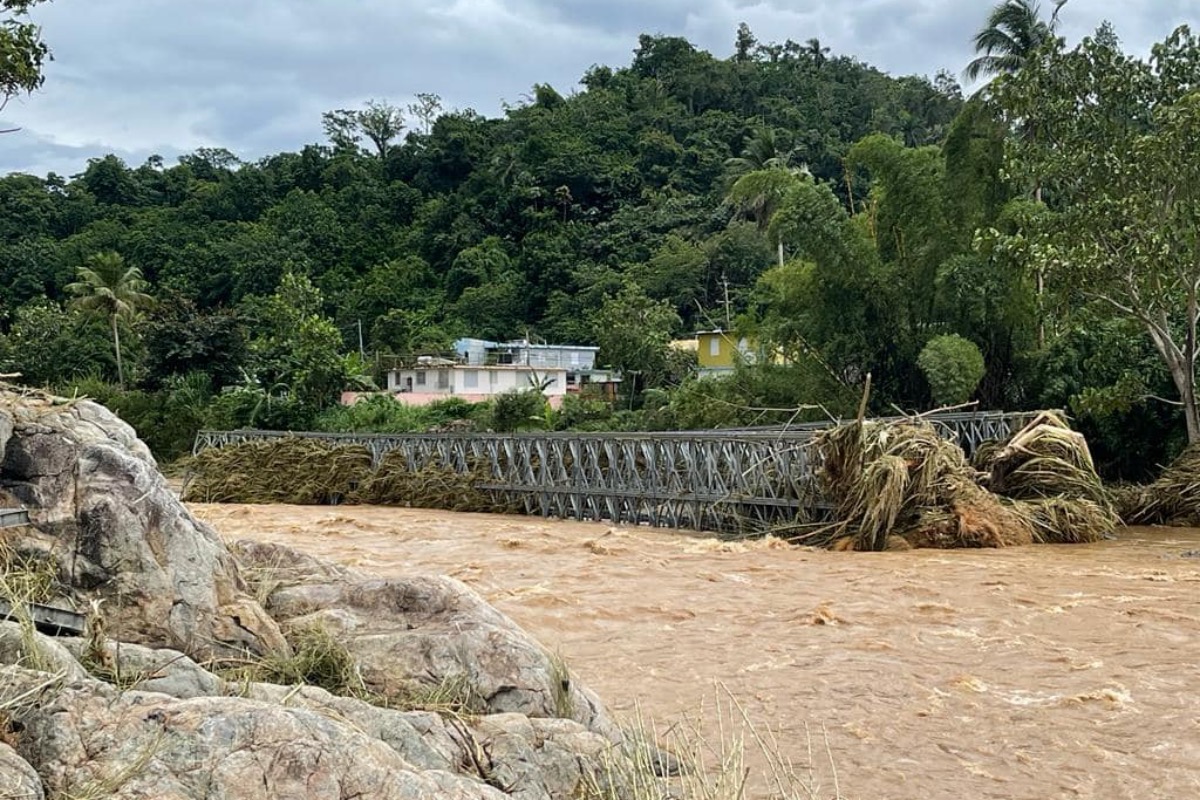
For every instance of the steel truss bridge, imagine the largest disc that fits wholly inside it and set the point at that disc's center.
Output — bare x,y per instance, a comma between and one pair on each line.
735,481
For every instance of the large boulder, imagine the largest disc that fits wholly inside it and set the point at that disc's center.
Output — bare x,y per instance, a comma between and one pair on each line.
88,739
539,759
431,629
101,508
530,759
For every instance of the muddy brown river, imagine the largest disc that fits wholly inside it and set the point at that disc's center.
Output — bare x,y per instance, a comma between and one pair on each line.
1037,672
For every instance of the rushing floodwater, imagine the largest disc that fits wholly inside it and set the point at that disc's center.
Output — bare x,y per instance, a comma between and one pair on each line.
1039,672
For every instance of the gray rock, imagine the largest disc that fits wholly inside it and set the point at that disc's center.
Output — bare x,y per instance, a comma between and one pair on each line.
120,534
18,780
420,737
88,739
32,650
543,759
429,628
149,669
6,431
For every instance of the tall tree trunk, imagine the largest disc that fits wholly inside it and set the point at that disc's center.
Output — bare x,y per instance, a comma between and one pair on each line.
1041,288
1182,366
781,252
1188,391
117,347
1185,383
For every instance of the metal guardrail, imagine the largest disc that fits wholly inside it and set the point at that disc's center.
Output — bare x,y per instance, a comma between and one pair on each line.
47,619
13,517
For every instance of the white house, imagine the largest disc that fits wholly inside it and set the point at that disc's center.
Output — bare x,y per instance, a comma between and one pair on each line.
431,379
578,360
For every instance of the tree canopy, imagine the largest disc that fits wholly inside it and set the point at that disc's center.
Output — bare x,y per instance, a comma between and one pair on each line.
845,220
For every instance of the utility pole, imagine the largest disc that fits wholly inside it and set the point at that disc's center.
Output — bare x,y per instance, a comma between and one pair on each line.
362,353
725,285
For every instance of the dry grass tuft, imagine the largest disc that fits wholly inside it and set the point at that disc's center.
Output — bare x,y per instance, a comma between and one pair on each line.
19,587
901,479
560,685
696,766
312,472
1173,499
288,470
317,659
13,704
103,663
28,576
452,696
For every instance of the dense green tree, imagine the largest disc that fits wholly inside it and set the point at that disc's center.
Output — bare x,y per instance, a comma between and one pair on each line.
22,51
759,194
47,345
109,288
295,346
633,331
1122,224
181,340
763,150
832,304
676,272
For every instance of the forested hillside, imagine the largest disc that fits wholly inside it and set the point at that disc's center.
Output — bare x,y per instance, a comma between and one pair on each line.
855,222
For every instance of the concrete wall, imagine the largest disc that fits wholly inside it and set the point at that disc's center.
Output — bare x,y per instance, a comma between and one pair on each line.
425,398
470,380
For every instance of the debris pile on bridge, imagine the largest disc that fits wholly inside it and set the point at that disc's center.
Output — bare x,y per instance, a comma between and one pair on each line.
289,470
1173,499
900,484
312,472
434,485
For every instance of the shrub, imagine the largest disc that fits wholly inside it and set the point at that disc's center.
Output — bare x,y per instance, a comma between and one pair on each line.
516,410
953,366
376,414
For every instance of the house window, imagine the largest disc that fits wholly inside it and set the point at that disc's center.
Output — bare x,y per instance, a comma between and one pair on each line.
443,379
492,378
714,346
470,379
420,379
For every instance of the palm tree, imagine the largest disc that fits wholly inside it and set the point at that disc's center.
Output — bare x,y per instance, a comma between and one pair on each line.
1014,31
108,287
816,53
759,178
762,151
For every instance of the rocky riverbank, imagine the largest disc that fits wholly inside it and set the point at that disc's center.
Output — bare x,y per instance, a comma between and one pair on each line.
435,693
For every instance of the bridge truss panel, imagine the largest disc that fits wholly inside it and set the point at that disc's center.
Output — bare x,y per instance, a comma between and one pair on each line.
736,481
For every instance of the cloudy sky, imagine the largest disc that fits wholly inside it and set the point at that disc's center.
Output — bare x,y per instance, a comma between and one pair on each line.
139,77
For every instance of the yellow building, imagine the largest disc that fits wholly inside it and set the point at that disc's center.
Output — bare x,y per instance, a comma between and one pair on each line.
718,351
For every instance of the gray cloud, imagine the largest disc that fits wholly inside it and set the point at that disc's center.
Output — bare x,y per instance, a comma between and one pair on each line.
137,77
